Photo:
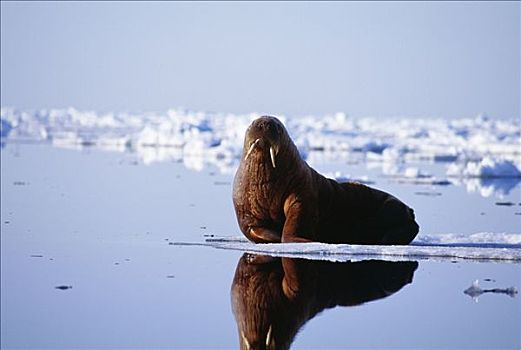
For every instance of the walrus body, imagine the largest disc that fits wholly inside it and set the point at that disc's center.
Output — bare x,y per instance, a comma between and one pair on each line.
278,197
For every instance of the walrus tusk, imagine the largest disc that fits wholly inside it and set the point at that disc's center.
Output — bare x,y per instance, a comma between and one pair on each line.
269,338
251,148
245,340
272,155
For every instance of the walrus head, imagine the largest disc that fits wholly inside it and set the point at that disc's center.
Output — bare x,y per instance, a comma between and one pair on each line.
266,135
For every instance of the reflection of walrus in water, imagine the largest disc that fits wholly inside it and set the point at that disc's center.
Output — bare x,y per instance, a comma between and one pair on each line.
272,298
278,197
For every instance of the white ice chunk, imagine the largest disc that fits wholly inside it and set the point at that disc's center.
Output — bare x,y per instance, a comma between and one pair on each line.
488,167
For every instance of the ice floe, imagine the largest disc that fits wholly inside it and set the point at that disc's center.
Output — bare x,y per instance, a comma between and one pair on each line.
482,246
488,176
487,167
475,291
487,187
479,238
346,252
473,148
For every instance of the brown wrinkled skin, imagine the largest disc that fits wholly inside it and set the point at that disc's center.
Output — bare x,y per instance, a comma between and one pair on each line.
272,298
291,202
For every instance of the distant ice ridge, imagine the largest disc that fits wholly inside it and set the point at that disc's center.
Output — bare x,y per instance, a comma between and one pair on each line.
486,176
478,147
488,168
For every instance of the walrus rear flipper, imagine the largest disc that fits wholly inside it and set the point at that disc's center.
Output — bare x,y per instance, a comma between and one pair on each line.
396,224
401,235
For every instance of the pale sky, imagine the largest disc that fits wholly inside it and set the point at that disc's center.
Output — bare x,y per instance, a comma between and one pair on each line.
365,59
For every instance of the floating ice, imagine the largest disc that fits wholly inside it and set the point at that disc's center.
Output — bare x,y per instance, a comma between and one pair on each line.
479,238
485,246
487,176
347,252
342,177
486,168
486,187
482,147
474,291
414,172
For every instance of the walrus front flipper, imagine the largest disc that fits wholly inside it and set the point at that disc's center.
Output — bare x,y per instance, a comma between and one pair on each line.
262,235
299,222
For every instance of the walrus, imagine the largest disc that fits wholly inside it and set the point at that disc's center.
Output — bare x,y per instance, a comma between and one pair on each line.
278,197
272,298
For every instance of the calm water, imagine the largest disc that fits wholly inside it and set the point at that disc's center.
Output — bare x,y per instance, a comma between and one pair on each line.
102,223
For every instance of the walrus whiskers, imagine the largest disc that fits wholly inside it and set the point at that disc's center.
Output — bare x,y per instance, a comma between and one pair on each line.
273,152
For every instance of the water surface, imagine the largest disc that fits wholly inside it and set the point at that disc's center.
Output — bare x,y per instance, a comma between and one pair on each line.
103,223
